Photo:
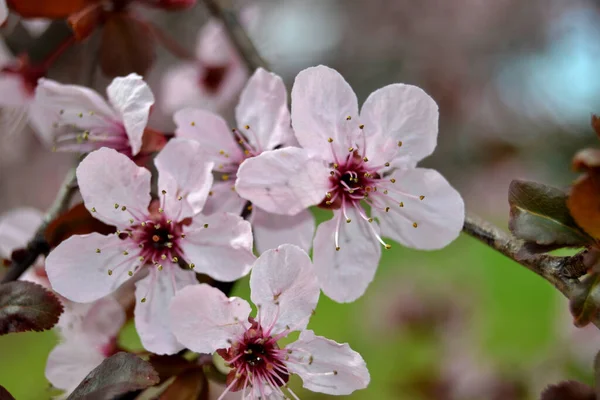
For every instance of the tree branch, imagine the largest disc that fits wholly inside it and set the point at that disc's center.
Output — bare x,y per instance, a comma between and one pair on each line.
237,35
38,244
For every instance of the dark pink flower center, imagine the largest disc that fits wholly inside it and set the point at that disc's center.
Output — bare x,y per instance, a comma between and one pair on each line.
212,77
256,360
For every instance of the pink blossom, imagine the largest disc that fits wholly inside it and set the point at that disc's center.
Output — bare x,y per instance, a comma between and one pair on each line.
264,124
214,79
285,290
78,119
152,238
3,11
348,161
89,335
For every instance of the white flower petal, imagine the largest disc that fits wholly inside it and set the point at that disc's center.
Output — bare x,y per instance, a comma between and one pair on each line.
326,366
283,283
223,198
439,216
263,108
78,272
322,101
69,109
283,181
222,250
183,172
205,320
70,362
111,183
271,230
344,275
151,316
17,227
132,98
400,113
211,131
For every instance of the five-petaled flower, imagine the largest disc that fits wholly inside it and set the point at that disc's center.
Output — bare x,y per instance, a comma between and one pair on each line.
263,124
89,335
214,79
348,161
152,237
285,290
78,119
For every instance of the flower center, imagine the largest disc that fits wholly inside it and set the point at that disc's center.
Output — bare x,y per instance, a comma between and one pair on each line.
255,359
158,239
213,77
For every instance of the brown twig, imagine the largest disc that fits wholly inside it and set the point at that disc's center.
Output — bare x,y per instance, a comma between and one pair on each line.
237,34
38,244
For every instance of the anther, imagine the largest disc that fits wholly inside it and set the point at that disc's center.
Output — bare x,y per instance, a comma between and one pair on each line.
109,272
175,259
183,235
332,173
180,198
247,127
160,267
365,159
393,180
163,257
330,140
310,360
125,253
361,126
97,250
116,206
157,226
370,219
192,266
163,191
130,273
388,246
335,372
169,245
348,118
225,177
143,224
161,210
249,208
415,225
385,192
221,152
387,164
348,220
337,248
144,300
350,149
401,204
328,202
168,222
131,221
141,245
192,123
123,208
400,143
206,225
421,197
335,166
93,209
328,195
387,209
141,258
169,236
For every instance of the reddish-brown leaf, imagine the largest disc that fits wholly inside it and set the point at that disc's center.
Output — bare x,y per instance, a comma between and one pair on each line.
52,9
26,306
168,366
586,159
5,394
152,141
568,390
85,21
584,203
127,46
77,221
190,385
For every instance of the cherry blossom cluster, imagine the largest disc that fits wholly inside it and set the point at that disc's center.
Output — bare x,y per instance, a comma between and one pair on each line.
220,192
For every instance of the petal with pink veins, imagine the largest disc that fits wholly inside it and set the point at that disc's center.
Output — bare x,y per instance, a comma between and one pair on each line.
70,110
284,181
219,245
284,285
211,131
132,98
113,186
401,125
223,198
345,274
70,362
151,315
272,230
263,109
326,366
17,227
185,176
80,273
427,224
322,101
204,320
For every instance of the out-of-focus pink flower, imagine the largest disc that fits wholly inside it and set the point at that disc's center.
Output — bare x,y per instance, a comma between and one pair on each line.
346,161
78,119
3,11
264,124
153,237
285,290
89,335
214,79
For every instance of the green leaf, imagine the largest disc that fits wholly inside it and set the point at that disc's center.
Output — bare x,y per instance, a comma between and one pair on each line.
27,306
118,374
539,214
586,300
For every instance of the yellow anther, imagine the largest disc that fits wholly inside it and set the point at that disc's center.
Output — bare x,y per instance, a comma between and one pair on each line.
116,206
247,127
249,208
130,273
328,202
109,272
91,113
160,267
169,236
365,159
143,300
421,197
168,222
246,152
385,192
350,149
415,225
125,253
401,204
80,115
206,225
370,219
141,258
348,220
387,209
192,266
330,140
161,210
335,166
163,191
131,221
387,164
183,235
143,224
348,118
361,126
93,209
123,208
388,246
175,259
399,143
225,177
179,198
85,135
98,250
221,152
163,257
192,123
169,245
337,248
157,226
393,180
